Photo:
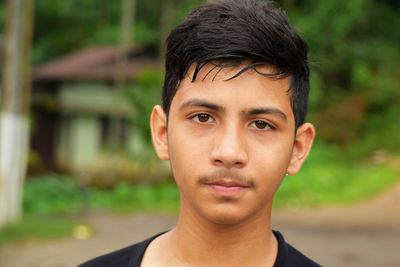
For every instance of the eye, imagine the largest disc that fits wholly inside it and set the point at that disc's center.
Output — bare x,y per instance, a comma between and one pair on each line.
261,125
202,118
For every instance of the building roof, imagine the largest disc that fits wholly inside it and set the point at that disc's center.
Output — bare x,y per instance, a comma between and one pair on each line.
98,63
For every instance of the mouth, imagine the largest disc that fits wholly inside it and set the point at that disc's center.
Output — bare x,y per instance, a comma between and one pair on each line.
227,188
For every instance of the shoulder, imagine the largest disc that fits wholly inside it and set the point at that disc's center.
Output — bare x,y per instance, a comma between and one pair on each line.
128,256
290,256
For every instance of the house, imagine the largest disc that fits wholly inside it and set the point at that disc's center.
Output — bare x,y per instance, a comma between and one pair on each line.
74,105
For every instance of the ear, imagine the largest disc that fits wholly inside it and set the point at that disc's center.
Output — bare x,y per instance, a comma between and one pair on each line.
159,134
302,145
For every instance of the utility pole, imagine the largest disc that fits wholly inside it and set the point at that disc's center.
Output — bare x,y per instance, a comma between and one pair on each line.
14,108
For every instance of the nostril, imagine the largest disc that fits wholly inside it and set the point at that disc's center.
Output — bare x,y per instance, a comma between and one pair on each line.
239,163
218,162
227,163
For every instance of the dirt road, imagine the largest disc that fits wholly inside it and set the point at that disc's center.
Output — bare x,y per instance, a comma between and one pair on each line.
366,234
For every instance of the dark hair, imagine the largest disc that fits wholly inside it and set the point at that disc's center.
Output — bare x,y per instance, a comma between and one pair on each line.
230,32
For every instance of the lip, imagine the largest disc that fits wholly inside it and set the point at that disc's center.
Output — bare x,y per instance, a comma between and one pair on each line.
227,188
228,183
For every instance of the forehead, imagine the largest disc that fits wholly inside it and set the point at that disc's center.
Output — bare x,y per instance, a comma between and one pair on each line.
250,88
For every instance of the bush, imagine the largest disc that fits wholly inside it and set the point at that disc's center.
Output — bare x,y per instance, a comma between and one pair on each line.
52,194
56,194
110,169
332,175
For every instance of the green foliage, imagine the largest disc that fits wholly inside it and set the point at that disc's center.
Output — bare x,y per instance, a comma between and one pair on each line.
332,175
53,202
355,61
182,9
144,94
72,24
316,93
52,194
76,24
2,19
56,194
127,198
381,130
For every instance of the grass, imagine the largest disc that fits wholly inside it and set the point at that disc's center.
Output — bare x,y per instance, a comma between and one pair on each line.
127,198
37,227
60,194
330,176
51,203
331,180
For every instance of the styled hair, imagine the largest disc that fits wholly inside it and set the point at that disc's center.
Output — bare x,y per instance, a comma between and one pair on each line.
229,33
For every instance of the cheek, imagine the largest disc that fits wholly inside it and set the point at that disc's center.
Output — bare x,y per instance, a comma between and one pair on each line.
272,156
186,156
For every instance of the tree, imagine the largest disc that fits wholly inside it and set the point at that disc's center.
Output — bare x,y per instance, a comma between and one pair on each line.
120,79
14,130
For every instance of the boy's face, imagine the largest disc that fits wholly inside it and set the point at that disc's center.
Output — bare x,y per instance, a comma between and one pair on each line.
230,143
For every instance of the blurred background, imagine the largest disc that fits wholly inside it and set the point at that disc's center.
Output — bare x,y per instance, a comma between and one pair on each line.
79,79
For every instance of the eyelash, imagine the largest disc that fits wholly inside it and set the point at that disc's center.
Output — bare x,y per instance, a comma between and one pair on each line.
267,125
197,116
196,119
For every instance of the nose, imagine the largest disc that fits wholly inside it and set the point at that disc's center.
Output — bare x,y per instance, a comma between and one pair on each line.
229,150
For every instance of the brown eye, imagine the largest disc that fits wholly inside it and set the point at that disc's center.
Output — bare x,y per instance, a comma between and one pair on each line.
202,117
261,124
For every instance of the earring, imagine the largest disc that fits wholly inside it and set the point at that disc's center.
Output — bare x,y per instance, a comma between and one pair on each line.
287,174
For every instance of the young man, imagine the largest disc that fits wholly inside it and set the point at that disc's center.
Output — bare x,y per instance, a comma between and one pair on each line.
232,126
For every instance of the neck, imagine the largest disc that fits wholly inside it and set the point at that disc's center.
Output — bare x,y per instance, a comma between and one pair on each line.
197,241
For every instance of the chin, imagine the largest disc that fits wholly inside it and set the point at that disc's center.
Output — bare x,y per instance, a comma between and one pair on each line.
227,216
226,221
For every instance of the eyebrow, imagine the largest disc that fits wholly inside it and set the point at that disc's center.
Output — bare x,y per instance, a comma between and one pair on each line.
247,112
268,111
201,103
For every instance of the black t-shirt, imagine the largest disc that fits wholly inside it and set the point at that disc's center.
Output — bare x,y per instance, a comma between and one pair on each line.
132,256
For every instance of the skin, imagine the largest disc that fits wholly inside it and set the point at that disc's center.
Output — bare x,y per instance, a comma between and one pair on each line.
230,143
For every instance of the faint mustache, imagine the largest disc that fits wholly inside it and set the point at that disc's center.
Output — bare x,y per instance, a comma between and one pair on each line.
221,175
